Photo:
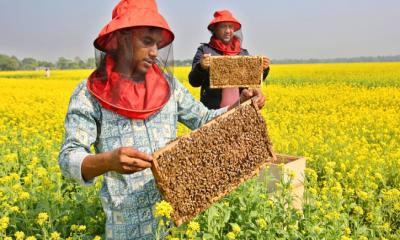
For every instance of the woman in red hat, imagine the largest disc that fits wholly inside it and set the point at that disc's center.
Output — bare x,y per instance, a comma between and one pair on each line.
225,40
127,109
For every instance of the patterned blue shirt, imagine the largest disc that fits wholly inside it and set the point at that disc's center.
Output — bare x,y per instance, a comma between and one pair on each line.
127,199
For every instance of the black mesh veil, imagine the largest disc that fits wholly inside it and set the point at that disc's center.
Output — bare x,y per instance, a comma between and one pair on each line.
120,47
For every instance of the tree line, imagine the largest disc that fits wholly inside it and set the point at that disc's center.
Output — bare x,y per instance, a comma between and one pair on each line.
12,63
394,58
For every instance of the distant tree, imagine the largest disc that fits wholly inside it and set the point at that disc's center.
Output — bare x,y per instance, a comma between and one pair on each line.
15,63
90,63
73,64
62,63
394,58
187,62
9,63
45,64
29,63
79,63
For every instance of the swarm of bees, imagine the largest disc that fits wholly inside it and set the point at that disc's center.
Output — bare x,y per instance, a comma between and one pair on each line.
197,170
236,71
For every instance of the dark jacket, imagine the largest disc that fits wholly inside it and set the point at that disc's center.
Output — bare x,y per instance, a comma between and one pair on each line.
199,77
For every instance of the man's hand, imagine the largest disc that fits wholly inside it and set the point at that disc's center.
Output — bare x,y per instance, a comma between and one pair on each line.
266,62
205,61
127,160
123,160
246,94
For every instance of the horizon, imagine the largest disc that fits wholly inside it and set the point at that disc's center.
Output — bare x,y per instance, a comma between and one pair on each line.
397,56
329,30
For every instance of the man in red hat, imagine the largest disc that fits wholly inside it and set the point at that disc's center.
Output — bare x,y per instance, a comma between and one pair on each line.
225,40
127,109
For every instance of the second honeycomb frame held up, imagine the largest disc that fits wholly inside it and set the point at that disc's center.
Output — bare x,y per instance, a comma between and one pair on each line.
197,170
236,71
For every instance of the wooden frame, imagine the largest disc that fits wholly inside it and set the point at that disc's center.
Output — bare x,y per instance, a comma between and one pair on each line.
198,176
236,71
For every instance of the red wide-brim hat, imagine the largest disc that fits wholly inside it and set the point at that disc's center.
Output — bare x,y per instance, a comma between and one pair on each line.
133,13
224,16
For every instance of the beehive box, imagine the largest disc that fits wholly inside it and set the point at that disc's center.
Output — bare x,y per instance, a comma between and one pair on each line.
293,164
236,71
197,170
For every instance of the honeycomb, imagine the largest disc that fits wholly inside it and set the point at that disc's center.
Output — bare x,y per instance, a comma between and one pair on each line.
235,71
197,170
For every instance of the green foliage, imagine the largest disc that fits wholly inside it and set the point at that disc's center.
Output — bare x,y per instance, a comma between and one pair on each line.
29,64
9,63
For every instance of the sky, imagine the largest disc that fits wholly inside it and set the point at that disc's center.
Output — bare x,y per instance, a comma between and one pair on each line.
295,29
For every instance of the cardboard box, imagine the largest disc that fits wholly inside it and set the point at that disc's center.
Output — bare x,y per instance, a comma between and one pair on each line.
293,164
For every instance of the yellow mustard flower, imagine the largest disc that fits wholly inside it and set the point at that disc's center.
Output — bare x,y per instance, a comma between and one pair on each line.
194,226
81,228
231,235
163,209
4,221
235,228
261,223
24,195
19,235
42,218
55,235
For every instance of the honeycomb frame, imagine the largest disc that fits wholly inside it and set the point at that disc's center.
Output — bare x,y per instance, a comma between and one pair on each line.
236,71
192,179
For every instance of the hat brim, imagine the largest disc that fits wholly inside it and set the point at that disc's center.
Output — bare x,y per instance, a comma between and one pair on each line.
134,18
236,25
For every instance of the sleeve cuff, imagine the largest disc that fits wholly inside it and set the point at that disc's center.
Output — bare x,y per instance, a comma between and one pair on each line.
76,168
221,110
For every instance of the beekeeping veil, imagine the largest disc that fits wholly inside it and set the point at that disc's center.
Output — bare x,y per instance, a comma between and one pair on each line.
234,47
125,82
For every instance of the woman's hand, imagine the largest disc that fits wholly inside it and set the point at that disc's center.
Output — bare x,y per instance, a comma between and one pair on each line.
127,160
205,61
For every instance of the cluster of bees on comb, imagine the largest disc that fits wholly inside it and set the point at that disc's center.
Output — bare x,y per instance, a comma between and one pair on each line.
199,169
241,71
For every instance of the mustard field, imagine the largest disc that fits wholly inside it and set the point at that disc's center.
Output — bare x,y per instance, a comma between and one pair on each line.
344,118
